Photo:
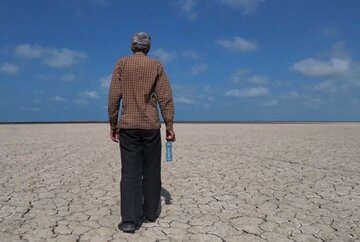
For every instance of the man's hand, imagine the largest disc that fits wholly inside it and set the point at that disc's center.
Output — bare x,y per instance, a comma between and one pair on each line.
114,135
170,135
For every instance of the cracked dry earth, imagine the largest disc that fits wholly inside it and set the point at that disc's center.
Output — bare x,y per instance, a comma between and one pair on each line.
228,182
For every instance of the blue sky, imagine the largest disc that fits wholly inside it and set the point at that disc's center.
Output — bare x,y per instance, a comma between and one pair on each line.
226,59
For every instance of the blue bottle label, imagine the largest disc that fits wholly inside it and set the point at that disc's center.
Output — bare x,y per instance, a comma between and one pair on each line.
168,151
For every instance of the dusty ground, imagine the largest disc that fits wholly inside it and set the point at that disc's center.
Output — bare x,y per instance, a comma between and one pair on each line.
228,182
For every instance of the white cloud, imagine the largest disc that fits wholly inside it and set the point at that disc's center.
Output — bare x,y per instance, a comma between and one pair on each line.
88,94
248,6
163,55
59,99
84,97
50,56
237,44
30,51
339,66
248,92
233,93
68,77
255,92
183,100
258,80
64,58
239,75
326,86
188,8
317,68
105,81
9,68
199,68
243,76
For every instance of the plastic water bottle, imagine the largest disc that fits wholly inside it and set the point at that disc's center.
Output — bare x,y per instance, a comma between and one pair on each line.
168,151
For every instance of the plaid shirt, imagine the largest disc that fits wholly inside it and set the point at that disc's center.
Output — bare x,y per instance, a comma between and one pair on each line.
131,82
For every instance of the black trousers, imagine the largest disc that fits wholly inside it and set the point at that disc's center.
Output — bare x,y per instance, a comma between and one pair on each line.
140,184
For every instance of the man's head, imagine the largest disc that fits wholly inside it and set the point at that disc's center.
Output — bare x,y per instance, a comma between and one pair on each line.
140,42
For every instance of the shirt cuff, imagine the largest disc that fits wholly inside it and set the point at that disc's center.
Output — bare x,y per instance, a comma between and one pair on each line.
169,125
114,127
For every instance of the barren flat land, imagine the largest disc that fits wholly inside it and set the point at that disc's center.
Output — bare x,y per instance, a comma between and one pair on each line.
228,182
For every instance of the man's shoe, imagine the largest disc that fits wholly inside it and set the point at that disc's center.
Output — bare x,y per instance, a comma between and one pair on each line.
127,227
147,220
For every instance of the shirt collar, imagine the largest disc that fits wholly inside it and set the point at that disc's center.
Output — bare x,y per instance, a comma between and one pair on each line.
139,53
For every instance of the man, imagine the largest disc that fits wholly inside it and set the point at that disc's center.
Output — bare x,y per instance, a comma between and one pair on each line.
140,83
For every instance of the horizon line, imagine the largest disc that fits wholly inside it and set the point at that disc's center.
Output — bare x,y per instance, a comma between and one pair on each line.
193,122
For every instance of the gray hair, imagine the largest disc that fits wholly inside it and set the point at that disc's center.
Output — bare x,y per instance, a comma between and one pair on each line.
140,41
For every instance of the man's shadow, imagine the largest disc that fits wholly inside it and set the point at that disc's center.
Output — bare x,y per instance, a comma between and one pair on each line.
167,198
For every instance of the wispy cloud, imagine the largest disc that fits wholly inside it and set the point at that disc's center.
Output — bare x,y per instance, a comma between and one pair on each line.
239,75
248,92
237,44
326,86
59,99
187,7
258,79
30,51
338,51
68,77
52,57
105,81
191,54
9,68
164,56
199,68
184,100
248,6
317,68
88,94
85,97
243,76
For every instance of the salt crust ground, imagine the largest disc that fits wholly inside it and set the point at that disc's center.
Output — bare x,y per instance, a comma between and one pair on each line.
228,182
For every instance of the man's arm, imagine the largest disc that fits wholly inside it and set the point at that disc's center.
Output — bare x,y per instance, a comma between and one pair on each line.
166,102
115,94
